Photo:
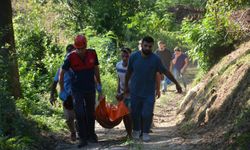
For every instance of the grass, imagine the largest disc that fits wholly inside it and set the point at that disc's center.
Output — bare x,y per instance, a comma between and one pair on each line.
17,143
128,142
136,145
48,118
27,136
242,141
35,119
186,126
164,99
241,122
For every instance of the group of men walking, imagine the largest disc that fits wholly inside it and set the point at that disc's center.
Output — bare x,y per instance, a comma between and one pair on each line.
177,63
79,79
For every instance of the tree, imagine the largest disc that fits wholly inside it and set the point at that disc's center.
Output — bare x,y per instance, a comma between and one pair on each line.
7,46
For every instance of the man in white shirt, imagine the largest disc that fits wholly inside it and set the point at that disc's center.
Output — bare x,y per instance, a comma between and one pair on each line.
121,68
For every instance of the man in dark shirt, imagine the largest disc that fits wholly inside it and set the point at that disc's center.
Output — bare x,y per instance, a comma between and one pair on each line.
166,57
84,64
180,63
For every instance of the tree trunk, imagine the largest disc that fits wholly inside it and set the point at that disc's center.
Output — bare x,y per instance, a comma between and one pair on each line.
7,46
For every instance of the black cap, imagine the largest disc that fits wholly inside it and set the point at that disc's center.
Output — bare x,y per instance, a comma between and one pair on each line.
70,48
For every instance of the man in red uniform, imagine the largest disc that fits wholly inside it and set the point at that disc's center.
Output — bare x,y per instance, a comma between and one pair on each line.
84,64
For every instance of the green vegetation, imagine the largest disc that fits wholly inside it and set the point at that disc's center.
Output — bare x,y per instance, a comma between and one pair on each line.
186,127
43,28
241,139
212,37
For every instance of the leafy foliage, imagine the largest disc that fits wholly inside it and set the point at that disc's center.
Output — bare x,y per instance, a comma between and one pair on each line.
7,105
16,132
43,28
210,39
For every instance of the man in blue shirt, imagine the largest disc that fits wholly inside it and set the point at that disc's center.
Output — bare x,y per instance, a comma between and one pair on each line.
142,68
66,97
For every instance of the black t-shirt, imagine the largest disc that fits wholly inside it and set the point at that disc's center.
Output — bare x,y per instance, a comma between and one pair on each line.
165,57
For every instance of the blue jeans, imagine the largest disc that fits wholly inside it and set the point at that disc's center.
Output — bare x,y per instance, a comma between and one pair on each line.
164,83
179,77
142,108
84,106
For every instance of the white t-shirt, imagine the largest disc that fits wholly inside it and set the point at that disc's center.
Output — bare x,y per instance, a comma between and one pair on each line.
121,71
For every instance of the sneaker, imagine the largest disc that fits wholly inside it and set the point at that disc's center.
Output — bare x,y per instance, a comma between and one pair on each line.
145,137
77,136
185,88
82,143
129,136
73,136
136,135
163,92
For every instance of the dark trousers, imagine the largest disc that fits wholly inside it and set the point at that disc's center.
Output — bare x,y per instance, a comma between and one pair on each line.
142,112
84,106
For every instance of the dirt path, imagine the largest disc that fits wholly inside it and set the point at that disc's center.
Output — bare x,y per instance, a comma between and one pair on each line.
165,133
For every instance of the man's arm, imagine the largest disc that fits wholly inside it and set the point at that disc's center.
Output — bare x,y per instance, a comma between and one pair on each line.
52,98
174,60
98,79
52,93
171,77
128,75
97,75
65,67
185,66
171,66
158,85
119,96
127,78
118,85
61,79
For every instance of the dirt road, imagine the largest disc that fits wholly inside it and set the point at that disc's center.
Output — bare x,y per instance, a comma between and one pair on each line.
165,133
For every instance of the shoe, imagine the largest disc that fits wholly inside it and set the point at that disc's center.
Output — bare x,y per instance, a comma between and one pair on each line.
82,143
77,136
163,92
136,135
93,139
129,136
185,88
73,136
145,137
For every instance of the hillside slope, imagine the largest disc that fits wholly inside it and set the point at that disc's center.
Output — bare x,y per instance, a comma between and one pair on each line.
219,106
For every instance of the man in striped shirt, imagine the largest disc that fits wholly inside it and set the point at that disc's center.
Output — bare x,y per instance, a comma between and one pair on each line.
121,68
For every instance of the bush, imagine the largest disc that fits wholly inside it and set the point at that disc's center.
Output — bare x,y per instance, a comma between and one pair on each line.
210,38
109,83
7,105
